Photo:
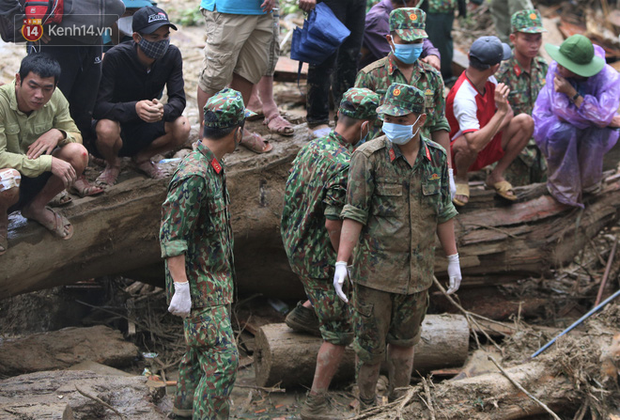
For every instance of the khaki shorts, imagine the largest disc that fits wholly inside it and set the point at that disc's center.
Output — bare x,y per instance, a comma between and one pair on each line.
274,46
235,44
382,318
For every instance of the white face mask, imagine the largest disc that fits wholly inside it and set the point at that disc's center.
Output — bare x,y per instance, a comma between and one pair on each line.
124,25
400,134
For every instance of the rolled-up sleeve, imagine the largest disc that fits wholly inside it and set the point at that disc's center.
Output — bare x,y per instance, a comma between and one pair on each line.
180,213
336,194
359,190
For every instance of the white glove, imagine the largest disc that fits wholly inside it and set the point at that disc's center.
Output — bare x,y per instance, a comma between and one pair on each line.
340,275
181,302
452,183
454,272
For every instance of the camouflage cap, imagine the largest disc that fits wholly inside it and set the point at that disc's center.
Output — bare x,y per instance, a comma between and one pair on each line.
408,23
228,107
401,99
363,101
528,21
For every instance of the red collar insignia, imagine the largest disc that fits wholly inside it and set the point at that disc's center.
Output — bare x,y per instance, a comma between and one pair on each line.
428,152
392,155
216,165
517,70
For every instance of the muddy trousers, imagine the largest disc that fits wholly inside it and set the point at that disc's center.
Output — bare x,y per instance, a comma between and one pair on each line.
208,369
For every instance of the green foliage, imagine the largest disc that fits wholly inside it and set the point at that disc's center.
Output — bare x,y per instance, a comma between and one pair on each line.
187,17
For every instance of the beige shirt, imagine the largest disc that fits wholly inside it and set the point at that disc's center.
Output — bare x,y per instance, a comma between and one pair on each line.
19,130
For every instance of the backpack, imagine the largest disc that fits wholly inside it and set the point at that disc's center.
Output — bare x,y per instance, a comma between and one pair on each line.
48,11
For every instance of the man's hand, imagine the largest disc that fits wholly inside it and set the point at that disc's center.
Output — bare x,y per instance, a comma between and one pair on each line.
615,122
454,272
64,171
561,85
433,60
150,111
181,302
45,144
501,97
307,5
268,5
340,275
452,183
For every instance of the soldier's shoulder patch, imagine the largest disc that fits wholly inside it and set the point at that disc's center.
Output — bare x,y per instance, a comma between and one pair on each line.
374,65
428,68
430,143
372,146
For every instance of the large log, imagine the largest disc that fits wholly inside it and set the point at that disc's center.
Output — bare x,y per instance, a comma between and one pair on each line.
117,232
286,357
64,348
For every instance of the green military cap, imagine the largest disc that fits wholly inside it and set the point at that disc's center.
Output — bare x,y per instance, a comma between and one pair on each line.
528,21
360,103
408,23
228,107
401,99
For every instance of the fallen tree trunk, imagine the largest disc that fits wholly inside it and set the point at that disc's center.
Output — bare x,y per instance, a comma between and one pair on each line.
117,232
55,395
64,348
286,357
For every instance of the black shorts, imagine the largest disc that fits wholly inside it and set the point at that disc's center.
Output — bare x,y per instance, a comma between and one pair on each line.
136,136
29,188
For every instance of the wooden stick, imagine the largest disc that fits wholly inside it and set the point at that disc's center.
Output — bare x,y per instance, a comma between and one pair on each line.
610,260
427,391
100,401
516,384
262,388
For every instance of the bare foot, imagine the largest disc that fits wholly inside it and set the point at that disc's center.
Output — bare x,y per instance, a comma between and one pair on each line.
108,176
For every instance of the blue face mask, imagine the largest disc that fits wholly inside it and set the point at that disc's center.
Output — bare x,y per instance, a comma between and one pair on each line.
408,53
400,134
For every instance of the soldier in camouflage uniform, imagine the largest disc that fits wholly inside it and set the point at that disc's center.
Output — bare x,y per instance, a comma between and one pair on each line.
397,195
440,19
524,73
197,244
310,227
406,30
502,10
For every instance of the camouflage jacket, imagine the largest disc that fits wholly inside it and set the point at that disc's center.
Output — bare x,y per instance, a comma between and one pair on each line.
315,191
379,75
441,6
524,86
400,207
196,222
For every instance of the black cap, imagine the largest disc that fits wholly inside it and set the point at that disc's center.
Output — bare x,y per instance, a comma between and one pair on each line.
489,50
149,19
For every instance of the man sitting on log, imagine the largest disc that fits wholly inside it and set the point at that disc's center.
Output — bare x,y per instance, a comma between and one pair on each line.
131,119
524,74
40,146
576,118
397,195
197,245
483,128
310,227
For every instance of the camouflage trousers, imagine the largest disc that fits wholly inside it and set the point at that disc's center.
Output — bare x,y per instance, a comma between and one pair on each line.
333,314
208,369
382,318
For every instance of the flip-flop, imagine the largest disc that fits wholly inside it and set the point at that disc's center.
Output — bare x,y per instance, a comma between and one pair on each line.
255,143
60,222
61,199
150,169
503,188
461,189
278,125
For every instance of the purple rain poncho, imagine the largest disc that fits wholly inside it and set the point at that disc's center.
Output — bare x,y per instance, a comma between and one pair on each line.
574,140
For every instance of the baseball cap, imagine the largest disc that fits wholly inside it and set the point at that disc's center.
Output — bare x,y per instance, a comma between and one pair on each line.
149,19
401,99
363,101
408,23
528,21
577,54
489,50
228,107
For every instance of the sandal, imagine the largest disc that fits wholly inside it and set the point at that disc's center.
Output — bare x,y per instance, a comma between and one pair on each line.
108,177
61,199
150,169
4,243
255,115
255,143
61,227
505,190
463,190
82,188
278,125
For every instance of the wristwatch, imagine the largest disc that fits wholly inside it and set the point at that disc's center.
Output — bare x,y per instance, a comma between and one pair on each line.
574,97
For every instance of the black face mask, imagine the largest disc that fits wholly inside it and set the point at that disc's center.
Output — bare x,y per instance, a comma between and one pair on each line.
154,50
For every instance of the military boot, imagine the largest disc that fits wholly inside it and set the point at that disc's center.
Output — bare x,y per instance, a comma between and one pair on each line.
318,407
302,319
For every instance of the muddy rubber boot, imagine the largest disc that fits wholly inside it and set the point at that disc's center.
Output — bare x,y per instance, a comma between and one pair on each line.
302,319
181,414
317,407
367,404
